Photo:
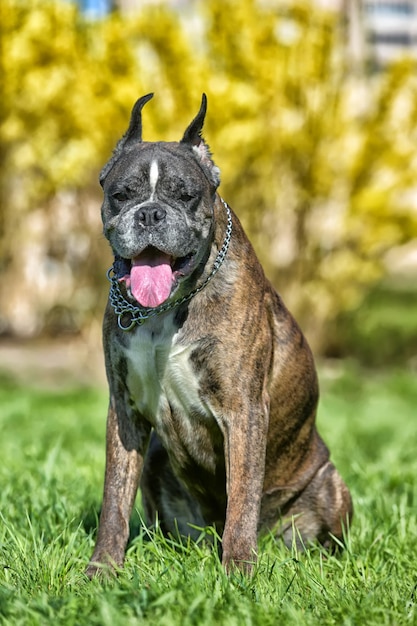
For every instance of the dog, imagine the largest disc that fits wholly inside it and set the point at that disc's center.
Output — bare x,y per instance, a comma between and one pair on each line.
213,388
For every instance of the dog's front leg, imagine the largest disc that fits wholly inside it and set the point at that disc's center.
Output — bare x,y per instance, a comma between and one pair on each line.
245,448
126,442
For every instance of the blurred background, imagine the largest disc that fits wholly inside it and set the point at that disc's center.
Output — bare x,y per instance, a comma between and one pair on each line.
312,119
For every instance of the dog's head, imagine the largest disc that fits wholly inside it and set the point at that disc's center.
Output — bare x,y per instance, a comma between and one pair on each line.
158,207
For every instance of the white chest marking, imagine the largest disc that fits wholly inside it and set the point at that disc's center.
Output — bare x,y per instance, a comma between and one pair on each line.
160,376
180,383
145,360
153,178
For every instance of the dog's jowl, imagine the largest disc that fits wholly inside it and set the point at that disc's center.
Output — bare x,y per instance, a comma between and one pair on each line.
213,389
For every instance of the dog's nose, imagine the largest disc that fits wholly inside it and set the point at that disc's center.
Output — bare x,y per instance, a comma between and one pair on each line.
150,215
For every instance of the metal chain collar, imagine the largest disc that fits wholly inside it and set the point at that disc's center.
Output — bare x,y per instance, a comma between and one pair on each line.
137,314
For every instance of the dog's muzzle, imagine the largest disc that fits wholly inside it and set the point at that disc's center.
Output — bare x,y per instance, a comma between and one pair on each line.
124,270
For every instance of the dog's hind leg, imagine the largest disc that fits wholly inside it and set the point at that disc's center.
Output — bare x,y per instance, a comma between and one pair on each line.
165,499
321,512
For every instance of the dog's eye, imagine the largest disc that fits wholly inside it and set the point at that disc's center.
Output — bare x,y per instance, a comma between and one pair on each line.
185,197
120,196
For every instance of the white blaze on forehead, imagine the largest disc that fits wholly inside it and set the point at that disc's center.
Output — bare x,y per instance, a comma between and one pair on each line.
153,177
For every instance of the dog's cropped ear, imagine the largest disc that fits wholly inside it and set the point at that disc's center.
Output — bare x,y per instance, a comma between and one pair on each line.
193,137
134,132
132,135
193,133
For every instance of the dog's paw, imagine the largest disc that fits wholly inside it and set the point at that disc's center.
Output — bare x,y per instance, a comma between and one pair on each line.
103,569
242,561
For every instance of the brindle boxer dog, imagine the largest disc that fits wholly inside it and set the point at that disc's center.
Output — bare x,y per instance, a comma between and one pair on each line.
213,389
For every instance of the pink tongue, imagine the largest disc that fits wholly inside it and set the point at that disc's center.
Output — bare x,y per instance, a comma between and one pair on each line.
151,278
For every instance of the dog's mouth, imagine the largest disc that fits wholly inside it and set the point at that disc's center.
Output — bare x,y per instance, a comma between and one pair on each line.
153,275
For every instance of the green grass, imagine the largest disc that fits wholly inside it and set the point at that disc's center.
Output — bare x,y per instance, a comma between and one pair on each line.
51,473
